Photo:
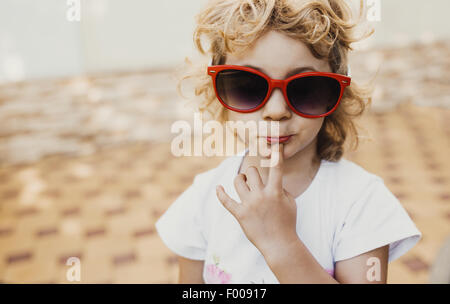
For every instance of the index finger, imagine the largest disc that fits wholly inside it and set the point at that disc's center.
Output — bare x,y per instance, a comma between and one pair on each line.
276,170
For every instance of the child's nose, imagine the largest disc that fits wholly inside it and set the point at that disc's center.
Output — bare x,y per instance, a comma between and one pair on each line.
276,107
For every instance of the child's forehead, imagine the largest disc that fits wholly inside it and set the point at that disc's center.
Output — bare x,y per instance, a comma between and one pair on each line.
277,53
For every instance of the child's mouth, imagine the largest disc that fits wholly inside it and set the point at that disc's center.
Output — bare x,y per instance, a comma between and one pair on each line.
281,139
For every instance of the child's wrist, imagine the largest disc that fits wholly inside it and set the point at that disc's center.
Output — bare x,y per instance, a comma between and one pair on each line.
276,249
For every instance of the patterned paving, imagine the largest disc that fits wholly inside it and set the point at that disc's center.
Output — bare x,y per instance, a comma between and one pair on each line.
83,175
101,208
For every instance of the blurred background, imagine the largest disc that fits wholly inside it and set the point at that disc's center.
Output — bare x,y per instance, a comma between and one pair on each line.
85,114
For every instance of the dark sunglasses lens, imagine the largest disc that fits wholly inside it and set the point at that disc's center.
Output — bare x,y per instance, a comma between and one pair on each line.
240,89
313,95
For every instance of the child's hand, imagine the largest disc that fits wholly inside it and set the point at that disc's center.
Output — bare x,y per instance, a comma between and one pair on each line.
268,213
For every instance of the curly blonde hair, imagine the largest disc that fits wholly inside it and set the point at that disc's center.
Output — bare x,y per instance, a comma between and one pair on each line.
325,26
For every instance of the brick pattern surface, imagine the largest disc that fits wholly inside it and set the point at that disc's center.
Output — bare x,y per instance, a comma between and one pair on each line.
86,168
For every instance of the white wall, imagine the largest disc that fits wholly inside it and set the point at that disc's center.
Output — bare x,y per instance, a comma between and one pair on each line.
407,21
136,34
36,40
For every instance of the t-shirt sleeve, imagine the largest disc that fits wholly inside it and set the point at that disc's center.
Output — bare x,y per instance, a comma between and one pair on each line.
374,220
180,227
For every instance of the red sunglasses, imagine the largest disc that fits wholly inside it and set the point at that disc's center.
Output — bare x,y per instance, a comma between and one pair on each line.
311,94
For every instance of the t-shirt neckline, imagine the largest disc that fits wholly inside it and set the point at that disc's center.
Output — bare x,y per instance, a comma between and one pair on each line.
241,155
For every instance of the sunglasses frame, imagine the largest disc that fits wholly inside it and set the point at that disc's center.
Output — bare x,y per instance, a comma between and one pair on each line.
214,70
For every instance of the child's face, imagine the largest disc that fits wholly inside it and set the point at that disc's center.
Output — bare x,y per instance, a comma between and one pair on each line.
276,54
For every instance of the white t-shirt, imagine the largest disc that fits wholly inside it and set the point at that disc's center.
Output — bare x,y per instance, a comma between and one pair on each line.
345,211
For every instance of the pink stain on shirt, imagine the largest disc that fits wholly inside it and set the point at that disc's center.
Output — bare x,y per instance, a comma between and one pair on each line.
330,272
215,275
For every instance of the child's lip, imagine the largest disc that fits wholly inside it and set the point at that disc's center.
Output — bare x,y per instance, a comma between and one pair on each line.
281,139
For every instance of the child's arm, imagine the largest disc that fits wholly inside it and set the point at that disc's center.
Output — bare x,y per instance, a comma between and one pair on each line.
369,267
291,262
190,271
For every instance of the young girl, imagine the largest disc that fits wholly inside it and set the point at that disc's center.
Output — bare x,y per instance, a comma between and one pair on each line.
315,217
